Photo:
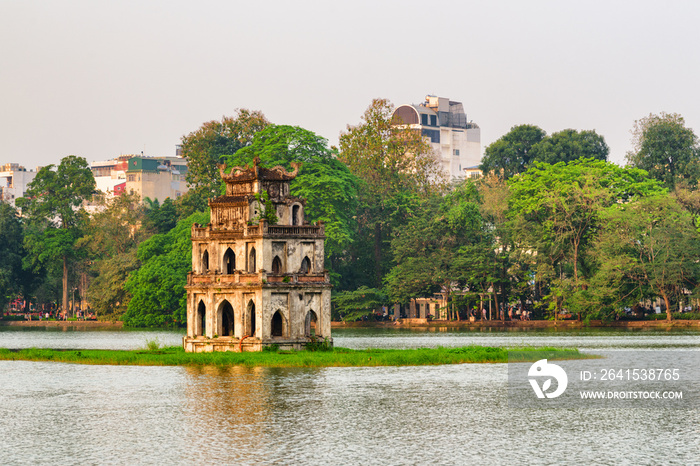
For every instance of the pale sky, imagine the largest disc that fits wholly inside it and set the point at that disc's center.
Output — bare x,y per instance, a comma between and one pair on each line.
103,78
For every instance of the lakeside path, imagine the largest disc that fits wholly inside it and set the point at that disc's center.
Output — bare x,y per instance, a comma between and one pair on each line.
415,323
517,324
62,324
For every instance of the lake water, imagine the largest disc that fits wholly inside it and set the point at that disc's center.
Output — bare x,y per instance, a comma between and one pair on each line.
72,414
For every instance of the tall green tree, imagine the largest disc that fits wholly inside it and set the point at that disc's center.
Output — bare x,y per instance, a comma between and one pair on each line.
665,148
395,165
11,254
648,248
511,153
446,241
556,210
206,147
568,145
111,239
157,286
53,206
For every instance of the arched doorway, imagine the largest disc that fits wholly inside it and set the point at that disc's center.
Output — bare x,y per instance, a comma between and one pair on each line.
295,215
200,322
250,313
229,261
311,324
277,329
305,266
205,261
251,261
226,319
276,266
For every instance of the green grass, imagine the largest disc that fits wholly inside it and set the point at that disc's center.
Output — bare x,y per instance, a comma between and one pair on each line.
338,357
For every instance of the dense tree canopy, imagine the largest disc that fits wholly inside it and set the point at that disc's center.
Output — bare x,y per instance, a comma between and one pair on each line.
53,208
207,146
511,153
395,164
569,145
649,247
157,286
556,213
665,148
11,253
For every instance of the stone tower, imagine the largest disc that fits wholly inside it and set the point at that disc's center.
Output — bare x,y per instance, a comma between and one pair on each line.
255,284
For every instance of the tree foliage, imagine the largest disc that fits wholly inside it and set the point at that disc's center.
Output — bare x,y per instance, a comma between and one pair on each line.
511,154
11,254
665,148
569,145
157,286
555,213
52,206
395,164
206,147
111,240
327,185
649,247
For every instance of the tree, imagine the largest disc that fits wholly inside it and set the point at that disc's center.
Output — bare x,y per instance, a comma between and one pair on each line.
326,183
446,241
665,148
511,154
555,214
350,306
569,145
11,254
111,240
648,248
205,148
53,208
394,163
157,286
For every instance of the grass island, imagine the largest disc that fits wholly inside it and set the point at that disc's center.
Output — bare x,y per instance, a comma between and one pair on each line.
336,357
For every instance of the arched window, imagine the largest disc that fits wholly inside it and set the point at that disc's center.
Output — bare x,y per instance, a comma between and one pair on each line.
295,215
205,261
276,266
251,261
226,319
229,261
305,266
200,322
250,311
310,324
277,325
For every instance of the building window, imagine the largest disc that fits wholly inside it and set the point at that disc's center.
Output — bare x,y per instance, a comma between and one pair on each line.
424,119
455,152
433,120
131,178
305,266
276,265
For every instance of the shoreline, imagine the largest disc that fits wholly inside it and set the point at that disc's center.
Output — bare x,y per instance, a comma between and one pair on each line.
408,323
61,323
517,324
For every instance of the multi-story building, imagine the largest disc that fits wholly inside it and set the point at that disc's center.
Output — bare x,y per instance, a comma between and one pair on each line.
152,177
14,179
456,141
255,284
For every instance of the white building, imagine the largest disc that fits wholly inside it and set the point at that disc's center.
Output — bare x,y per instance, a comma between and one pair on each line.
444,123
14,179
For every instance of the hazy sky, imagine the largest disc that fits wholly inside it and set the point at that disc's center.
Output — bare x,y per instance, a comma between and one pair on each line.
104,78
